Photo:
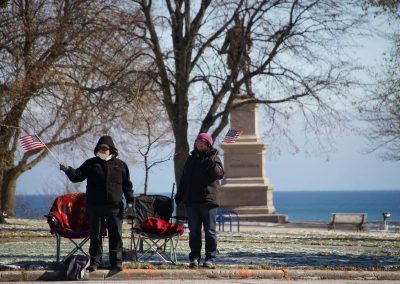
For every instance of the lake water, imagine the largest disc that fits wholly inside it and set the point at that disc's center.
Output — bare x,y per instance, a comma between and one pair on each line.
318,205
298,205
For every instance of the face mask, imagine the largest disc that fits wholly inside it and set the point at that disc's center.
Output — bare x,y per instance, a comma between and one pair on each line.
103,156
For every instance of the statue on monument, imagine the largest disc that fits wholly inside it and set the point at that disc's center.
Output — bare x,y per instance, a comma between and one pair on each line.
238,44
245,188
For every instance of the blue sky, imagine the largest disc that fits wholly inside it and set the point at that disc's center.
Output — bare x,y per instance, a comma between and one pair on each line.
348,168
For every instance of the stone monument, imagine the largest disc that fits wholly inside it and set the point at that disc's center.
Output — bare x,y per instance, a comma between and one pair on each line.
246,188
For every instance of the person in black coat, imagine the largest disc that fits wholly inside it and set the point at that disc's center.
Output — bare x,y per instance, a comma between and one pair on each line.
198,190
107,180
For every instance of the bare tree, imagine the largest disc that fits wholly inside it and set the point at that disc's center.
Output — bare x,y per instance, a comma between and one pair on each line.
150,140
382,108
295,60
67,69
385,6
153,142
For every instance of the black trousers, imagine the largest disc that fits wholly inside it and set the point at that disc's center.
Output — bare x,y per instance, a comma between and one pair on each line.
101,217
202,215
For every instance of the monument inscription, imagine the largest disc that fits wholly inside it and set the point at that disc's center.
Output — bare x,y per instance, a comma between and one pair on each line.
244,166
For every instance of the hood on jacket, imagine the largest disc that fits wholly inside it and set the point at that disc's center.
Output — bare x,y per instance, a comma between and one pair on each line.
109,141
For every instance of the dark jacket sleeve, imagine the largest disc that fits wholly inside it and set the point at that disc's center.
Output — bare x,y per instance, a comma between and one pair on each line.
79,174
127,186
216,170
180,192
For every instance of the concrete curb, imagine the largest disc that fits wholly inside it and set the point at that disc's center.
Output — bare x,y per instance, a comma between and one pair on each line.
153,274
343,275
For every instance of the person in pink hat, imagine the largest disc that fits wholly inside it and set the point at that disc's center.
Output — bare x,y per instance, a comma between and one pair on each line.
198,190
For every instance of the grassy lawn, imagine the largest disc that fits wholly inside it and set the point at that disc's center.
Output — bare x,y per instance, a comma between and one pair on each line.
28,244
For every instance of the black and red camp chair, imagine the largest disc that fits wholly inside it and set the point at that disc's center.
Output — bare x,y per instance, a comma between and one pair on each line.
152,230
67,219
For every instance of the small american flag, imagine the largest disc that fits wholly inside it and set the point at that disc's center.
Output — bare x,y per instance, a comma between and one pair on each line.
232,136
31,142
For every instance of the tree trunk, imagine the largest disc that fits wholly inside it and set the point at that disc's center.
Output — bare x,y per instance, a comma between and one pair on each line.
180,157
6,160
8,189
3,167
2,220
2,161
7,132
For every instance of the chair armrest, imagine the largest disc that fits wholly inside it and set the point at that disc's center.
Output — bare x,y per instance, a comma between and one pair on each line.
180,219
184,218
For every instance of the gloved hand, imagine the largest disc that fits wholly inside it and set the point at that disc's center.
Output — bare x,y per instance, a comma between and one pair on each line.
63,168
210,164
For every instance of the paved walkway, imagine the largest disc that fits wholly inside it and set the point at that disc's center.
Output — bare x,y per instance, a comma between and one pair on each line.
229,281
231,274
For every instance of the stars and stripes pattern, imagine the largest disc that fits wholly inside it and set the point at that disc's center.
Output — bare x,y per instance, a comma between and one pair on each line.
232,136
30,143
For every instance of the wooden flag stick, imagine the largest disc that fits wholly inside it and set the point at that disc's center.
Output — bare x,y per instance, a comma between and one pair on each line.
51,153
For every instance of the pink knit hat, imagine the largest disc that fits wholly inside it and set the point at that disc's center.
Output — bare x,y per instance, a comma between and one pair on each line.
205,137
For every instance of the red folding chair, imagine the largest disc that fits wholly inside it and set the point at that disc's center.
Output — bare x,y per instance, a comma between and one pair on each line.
67,219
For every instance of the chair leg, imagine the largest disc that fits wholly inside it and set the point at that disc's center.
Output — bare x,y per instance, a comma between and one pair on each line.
135,245
132,237
77,247
141,245
238,221
58,244
173,250
154,248
173,246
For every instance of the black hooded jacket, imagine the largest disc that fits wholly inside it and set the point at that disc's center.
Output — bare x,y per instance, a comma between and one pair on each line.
200,178
106,180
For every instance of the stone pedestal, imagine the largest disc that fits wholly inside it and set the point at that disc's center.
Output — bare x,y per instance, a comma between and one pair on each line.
246,187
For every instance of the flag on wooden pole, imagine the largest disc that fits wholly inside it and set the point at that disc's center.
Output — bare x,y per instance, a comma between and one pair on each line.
232,136
31,142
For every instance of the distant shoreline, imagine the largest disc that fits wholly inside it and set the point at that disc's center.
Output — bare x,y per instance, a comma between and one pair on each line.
297,205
